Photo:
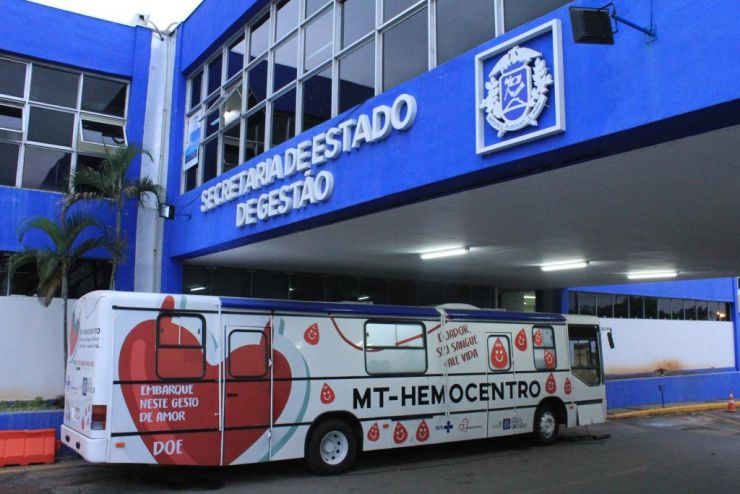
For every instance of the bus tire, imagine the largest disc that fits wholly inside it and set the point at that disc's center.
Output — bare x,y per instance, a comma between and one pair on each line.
332,447
545,425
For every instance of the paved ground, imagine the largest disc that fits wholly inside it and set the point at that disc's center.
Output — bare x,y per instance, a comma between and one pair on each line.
697,452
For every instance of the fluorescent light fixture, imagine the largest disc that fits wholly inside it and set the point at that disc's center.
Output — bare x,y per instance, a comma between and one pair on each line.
457,251
652,275
559,266
198,288
530,297
363,298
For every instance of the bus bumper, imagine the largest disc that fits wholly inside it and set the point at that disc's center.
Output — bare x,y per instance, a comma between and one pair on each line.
93,450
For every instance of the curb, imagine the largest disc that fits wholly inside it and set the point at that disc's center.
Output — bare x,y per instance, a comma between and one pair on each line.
663,411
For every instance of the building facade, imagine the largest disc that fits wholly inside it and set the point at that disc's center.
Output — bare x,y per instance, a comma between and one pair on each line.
312,149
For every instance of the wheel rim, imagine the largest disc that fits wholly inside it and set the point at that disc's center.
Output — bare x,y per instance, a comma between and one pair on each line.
547,424
334,447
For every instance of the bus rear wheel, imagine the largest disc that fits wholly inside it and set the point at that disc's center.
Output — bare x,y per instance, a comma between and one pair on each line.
332,447
545,425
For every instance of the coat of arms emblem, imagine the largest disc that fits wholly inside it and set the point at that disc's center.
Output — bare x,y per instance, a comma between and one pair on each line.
516,90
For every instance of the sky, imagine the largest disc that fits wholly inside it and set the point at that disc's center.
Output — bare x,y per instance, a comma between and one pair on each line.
162,12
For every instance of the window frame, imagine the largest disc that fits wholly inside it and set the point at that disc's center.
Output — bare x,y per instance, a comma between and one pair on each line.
600,360
545,348
369,349
267,354
202,346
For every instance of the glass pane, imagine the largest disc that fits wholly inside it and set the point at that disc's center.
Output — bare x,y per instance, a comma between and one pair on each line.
210,160
689,310
392,8
51,126
411,361
375,290
518,12
460,29
213,121
46,169
11,118
357,77
101,133
677,308
251,363
283,118
104,96
358,19
317,99
341,289
12,78
92,162
259,38
651,308
481,296
702,310
8,164
191,178
587,304
214,75
257,84
405,50
233,105
286,61
53,86
306,287
313,6
231,147
431,293
287,17
255,138
605,306
637,310
236,58
621,306
270,285
196,90
401,292
180,363
231,282
455,293
713,308
318,41
664,308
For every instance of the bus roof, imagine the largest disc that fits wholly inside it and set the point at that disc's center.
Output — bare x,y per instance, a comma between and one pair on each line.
350,308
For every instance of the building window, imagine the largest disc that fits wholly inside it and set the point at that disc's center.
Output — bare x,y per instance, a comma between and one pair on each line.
47,124
301,69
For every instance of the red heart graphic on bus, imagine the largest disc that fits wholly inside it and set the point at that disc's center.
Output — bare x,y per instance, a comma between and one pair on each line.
422,432
374,433
311,335
166,406
327,394
549,360
550,385
537,337
521,340
567,387
400,434
499,355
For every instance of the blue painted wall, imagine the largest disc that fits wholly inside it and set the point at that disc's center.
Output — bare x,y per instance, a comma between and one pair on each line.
37,32
605,112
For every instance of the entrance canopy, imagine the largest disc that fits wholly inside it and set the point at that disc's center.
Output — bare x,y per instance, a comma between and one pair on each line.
669,207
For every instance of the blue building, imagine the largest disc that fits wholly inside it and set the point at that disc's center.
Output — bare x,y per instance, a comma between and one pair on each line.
313,149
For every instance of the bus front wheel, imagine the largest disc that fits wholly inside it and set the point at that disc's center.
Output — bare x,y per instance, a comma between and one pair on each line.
545,425
332,447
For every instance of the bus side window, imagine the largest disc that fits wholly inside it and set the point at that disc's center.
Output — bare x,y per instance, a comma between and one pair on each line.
249,352
395,348
181,348
543,343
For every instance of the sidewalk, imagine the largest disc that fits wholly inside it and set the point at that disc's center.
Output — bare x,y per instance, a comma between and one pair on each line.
656,409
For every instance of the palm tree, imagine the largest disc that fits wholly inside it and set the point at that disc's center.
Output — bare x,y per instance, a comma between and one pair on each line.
54,261
111,182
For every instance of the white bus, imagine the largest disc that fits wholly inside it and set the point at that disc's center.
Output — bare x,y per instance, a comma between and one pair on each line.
202,380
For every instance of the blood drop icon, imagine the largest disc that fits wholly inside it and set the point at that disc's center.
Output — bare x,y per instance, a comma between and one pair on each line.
374,433
550,385
400,434
327,394
422,432
311,335
521,340
499,356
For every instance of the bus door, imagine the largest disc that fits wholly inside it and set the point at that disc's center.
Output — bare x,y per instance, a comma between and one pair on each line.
247,393
501,378
587,370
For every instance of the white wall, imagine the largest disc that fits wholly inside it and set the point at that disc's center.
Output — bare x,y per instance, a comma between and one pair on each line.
31,354
646,345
